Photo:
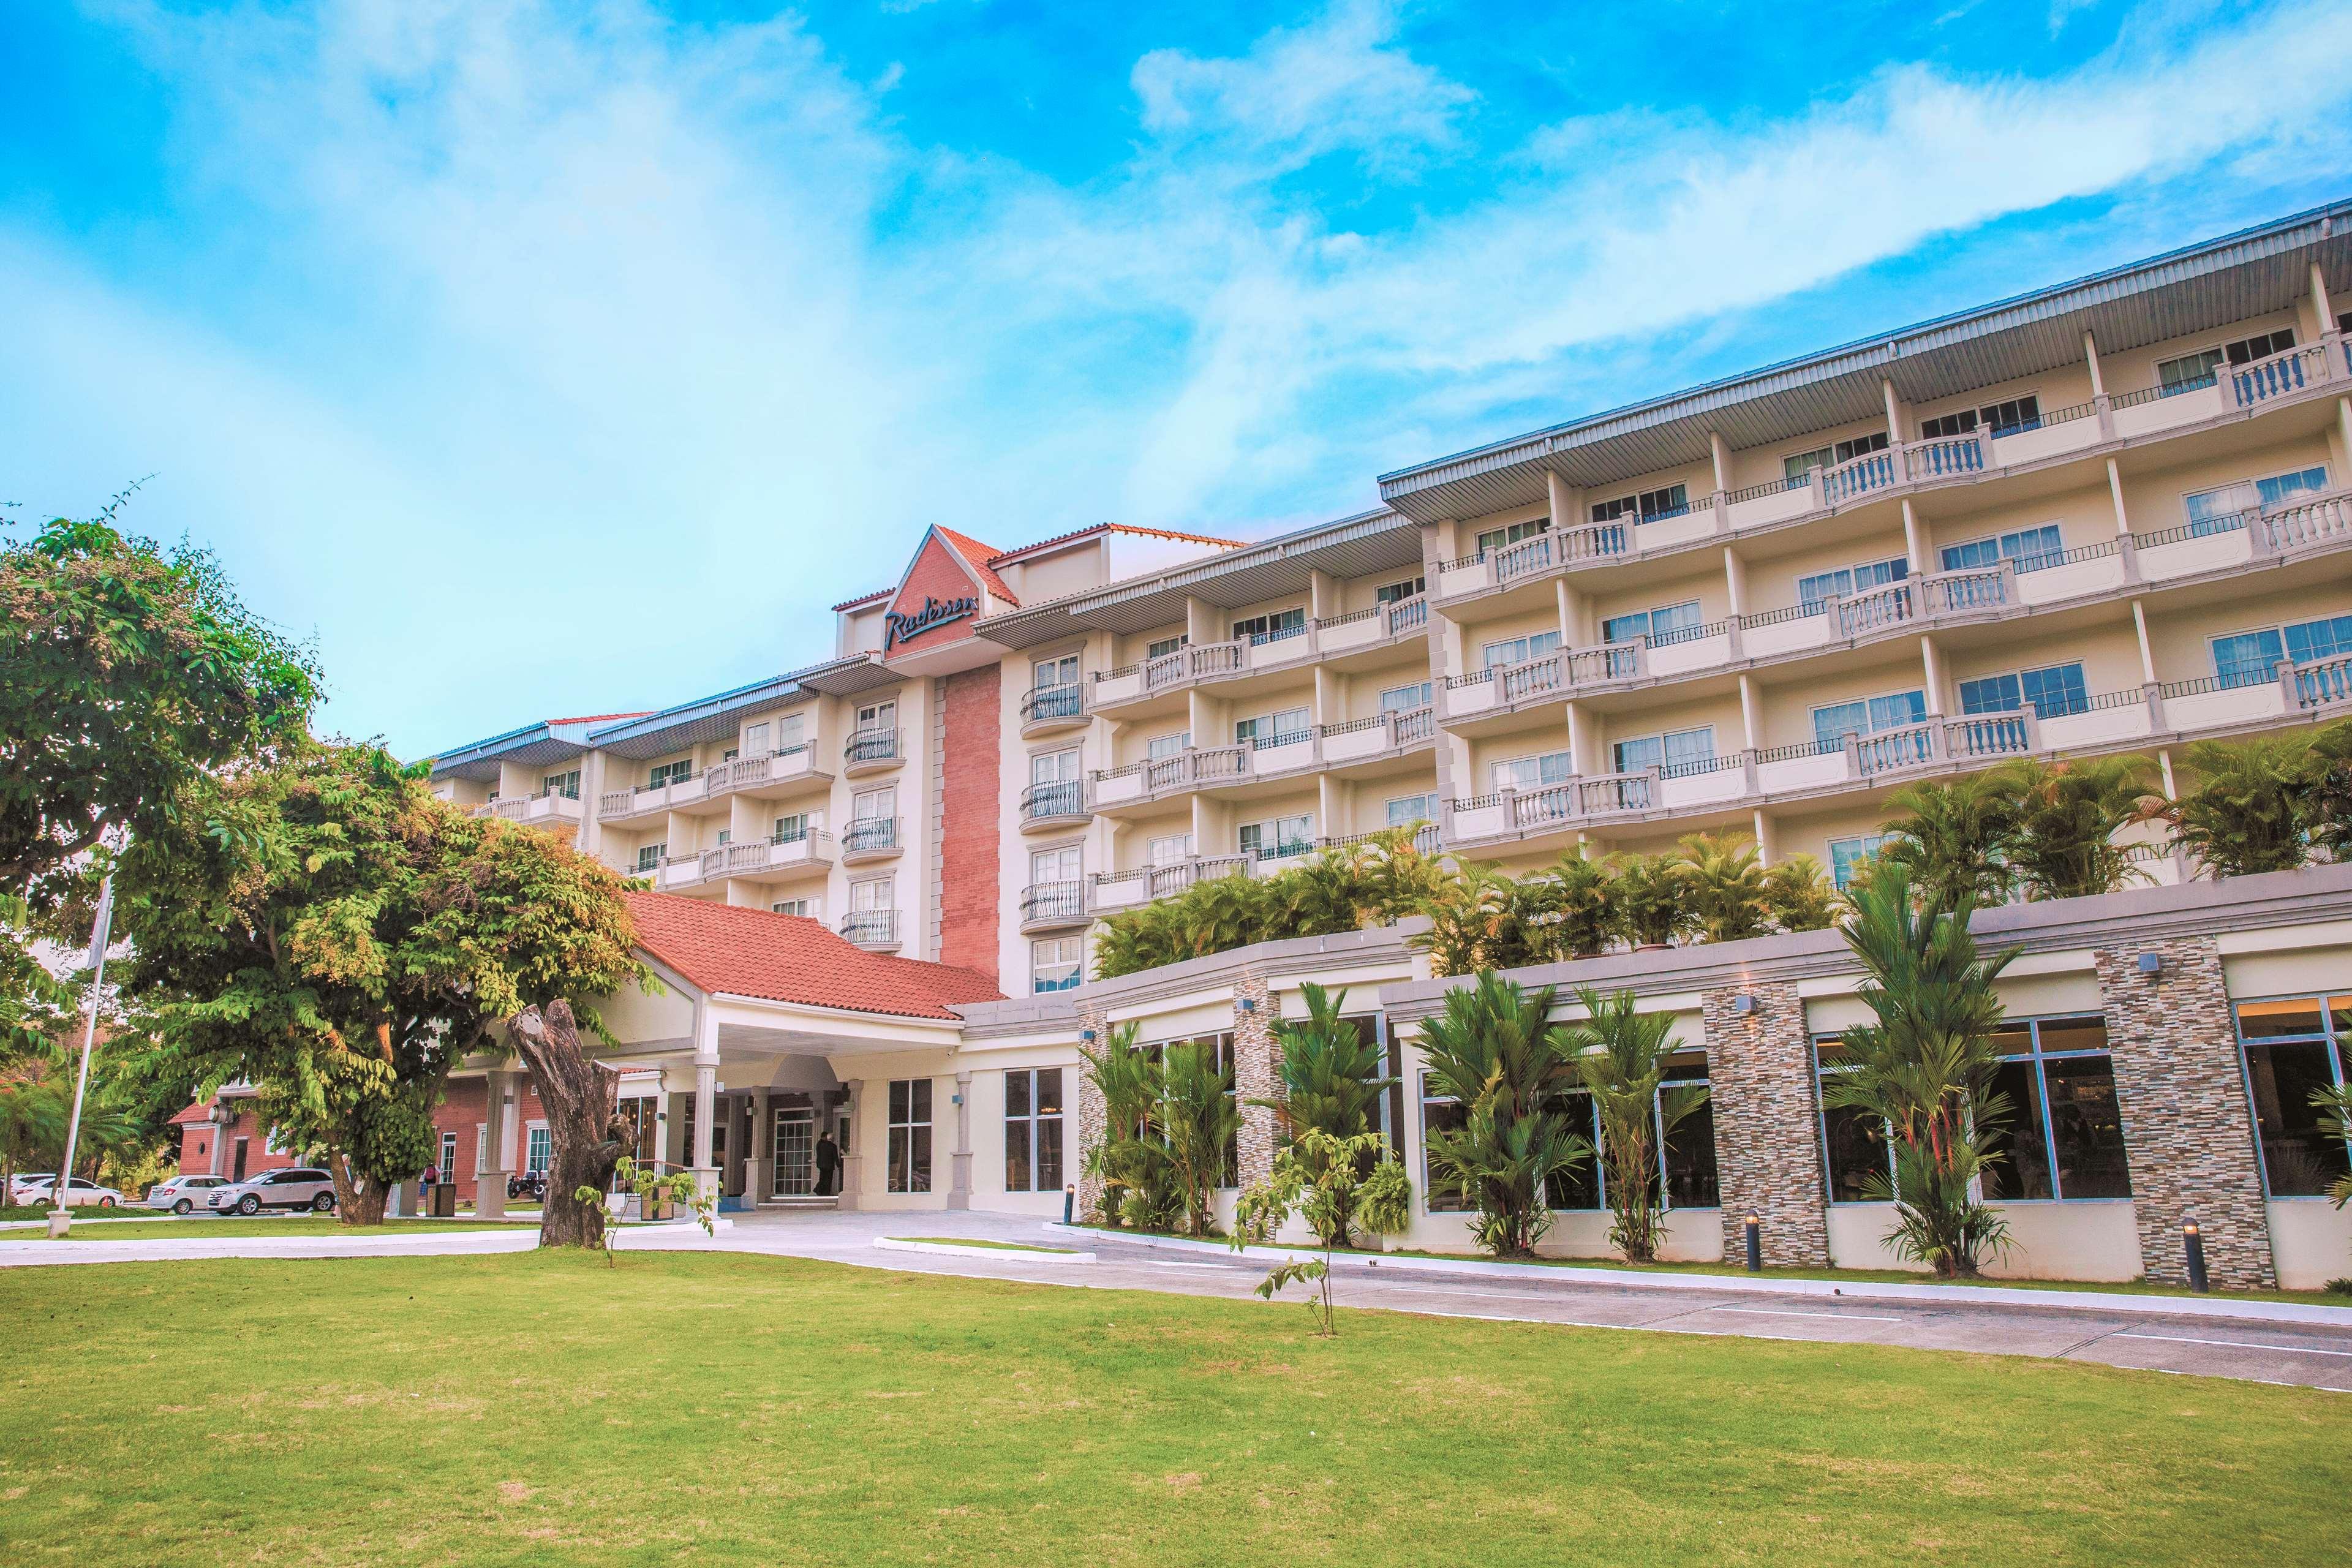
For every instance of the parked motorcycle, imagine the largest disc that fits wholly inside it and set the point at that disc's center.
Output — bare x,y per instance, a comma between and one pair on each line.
528,1183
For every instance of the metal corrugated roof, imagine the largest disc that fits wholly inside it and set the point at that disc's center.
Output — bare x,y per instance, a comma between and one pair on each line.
717,717
2195,289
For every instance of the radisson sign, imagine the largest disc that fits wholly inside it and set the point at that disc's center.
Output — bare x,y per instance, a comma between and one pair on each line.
936,612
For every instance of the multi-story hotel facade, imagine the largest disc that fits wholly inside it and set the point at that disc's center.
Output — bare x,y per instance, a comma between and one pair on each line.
2109,515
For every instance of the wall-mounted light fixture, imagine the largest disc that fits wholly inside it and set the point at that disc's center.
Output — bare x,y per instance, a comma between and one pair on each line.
1744,1004
2151,964
1249,1004
1087,1036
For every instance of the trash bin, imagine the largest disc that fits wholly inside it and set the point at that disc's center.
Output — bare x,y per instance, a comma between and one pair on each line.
445,1200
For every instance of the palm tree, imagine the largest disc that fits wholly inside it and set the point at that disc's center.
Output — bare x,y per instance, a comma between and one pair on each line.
1198,1121
1621,1053
32,1122
1494,1051
1800,895
1724,884
2063,842
1464,915
1953,838
1132,1160
1924,1067
1585,916
2252,805
1652,900
1331,1083
1324,896
1218,914
1132,940
1398,880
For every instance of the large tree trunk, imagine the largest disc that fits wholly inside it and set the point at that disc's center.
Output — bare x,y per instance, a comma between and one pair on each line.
357,1202
581,1099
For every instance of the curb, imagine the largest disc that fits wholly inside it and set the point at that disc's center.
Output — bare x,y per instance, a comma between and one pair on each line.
1638,1279
1010,1254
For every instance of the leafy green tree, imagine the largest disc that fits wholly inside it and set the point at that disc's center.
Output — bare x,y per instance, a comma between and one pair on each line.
1621,1053
2062,843
1924,1067
1495,1053
1724,886
2249,805
325,928
1332,1182
1953,838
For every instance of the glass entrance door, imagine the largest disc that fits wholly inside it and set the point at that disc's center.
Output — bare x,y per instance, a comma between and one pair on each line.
796,1151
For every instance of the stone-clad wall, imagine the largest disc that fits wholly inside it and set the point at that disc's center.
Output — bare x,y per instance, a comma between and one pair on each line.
1090,1107
1761,1072
2186,1130
1254,1077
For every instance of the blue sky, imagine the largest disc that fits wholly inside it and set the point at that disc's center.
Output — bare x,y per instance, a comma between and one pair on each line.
544,359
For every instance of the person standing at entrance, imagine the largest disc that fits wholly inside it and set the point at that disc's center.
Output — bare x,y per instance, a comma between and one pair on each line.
828,1164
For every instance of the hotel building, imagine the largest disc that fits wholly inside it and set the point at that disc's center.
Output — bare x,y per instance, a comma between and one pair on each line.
2109,516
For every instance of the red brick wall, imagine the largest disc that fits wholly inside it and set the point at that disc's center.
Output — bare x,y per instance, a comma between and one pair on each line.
197,1147
972,789
936,573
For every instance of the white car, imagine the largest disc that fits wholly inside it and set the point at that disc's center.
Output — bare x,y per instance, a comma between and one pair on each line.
80,1193
184,1194
24,1183
300,1188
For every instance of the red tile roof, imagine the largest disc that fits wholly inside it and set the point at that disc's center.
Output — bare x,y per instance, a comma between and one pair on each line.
195,1114
977,556
791,958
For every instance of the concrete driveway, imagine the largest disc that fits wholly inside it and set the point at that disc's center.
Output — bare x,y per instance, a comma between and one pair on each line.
2144,1333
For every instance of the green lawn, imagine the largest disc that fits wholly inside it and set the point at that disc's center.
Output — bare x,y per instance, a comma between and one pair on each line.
292,1225
709,1409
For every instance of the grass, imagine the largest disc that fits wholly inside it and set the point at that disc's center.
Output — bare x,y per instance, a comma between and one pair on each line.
988,1246
304,1225
543,1409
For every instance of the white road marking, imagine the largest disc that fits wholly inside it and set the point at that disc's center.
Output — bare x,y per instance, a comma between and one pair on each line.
1782,1312
2232,1344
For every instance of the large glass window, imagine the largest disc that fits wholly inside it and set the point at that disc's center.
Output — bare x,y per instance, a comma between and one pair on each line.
2252,658
1847,856
1796,466
1834,722
2293,1048
1518,650
1279,728
1439,1114
1273,627
1686,1170
2029,547
565,783
1674,753
649,857
1854,1143
1532,773
2051,692
1667,624
1493,538
2064,1136
1394,592
1221,1059
910,1135
1407,809
1057,963
1033,1129
1282,837
1847,581
1405,698
539,1152
668,773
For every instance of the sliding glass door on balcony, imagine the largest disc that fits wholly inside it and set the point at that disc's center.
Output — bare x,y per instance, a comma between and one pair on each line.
1674,753
1866,716
2252,658
1848,581
2051,692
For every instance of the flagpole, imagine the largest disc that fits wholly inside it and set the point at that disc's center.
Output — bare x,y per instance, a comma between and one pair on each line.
62,1212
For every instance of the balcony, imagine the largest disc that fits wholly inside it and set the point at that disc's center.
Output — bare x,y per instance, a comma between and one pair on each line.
872,752
1315,642
869,838
545,810
760,860
1046,709
1060,803
774,773
1108,892
1053,906
1302,752
874,929
2105,424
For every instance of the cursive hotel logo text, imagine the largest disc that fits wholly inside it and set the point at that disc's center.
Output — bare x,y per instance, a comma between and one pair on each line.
898,628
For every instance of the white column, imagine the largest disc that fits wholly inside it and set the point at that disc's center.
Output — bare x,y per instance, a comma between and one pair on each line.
2319,301
2146,652
1768,848
2091,357
1894,411
1735,581
592,784
1751,719
1915,541
960,1161
1720,450
759,1148
2116,494
852,1146
1561,497
705,1095
1931,665
490,1181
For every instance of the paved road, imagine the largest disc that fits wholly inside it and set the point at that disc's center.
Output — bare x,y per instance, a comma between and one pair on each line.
2318,1356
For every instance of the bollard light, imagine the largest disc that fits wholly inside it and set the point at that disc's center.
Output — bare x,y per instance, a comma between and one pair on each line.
1069,1205
1755,1245
2194,1241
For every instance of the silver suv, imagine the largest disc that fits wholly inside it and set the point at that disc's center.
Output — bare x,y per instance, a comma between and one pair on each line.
300,1188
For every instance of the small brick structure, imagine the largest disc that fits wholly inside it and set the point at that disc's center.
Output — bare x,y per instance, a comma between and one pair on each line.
1254,1077
2188,1134
1767,1155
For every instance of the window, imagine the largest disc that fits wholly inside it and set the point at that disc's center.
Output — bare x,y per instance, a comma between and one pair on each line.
1518,650
1674,753
1797,465
2029,547
2279,488
2295,1046
669,773
566,784
2250,659
1270,627
1221,1059
2261,345
1673,501
1282,728
791,829
1439,1114
1160,647
1057,963
728,755
1170,849
448,1166
1405,698
1048,867
1533,772
1160,746
755,739
1847,854
1390,593
2051,692
2217,511
1279,838
1866,716
1668,623
1052,672
649,856
539,1152
910,1135
1407,809
1054,788
2064,1138
805,908
2195,370
1033,1129
875,716
1848,581
2003,418
1854,1143
872,897
1493,538
788,734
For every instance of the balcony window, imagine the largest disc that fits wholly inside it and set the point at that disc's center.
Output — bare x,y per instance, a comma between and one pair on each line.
669,773
1673,501
2064,1138
1674,753
1270,627
1518,650
1391,593
2031,548
791,829
1170,849
2250,659
1052,672
2051,692
1033,1129
566,784
805,908
2295,1046
1405,810
726,836
1160,647
1866,716
1667,624
1532,773
649,857
1405,698
1494,539
1161,747
1057,867
2004,418
1848,581
755,739
1057,963
1847,854
1282,728
1278,839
